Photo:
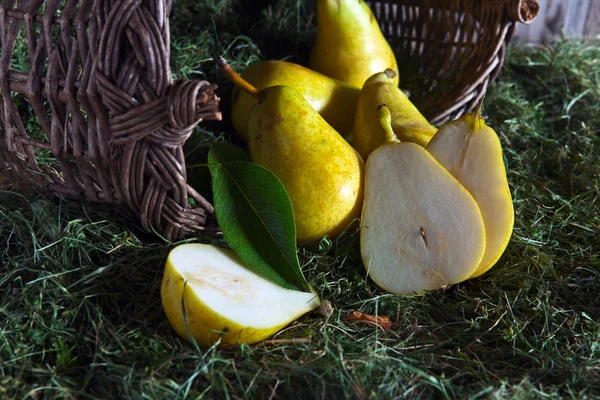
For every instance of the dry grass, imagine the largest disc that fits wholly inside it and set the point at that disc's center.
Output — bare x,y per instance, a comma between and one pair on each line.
80,312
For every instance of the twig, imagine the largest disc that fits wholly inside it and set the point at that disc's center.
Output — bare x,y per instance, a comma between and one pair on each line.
284,341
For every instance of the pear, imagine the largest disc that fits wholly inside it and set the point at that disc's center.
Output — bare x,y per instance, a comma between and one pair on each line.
407,122
472,153
223,299
350,45
421,229
321,172
333,99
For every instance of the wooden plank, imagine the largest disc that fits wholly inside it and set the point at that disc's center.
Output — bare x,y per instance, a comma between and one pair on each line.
592,24
554,20
575,17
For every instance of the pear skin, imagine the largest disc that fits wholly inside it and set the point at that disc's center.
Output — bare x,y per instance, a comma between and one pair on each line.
321,172
472,153
350,45
333,99
408,123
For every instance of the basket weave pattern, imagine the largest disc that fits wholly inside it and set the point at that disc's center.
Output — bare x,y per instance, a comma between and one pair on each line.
100,84
449,50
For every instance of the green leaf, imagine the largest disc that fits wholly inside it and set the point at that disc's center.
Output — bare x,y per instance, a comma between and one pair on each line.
255,214
201,179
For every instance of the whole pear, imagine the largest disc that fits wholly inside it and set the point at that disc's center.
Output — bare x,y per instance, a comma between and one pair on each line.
408,123
334,100
321,172
350,45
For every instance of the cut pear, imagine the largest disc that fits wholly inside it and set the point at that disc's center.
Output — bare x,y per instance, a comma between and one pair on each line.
224,299
420,229
472,153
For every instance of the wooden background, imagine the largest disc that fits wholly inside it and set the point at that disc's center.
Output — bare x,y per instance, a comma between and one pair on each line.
576,18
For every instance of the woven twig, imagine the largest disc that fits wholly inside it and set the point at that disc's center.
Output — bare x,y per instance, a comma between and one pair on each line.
100,84
449,51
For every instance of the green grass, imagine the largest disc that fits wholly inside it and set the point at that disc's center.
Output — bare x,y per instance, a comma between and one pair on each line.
80,312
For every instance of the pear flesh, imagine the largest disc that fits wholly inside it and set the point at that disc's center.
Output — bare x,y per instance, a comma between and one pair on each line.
333,99
224,299
420,230
472,153
408,123
321,172
350,45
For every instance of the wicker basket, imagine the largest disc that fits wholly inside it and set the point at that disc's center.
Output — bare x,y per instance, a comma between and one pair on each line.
99,82
448,51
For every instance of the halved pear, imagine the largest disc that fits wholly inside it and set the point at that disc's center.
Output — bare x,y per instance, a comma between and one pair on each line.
420,229
224,299
472,153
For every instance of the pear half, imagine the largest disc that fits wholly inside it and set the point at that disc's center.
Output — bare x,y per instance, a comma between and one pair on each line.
421,229
472,153
224,299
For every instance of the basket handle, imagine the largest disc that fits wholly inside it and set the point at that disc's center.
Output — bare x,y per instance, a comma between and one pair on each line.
524,11
150,116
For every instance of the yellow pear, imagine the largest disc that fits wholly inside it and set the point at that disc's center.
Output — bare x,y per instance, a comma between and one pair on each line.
408,123
333,99
472,153
223,299
350,45
420,228
320,171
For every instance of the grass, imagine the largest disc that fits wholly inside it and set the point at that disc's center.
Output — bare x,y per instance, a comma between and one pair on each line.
80,312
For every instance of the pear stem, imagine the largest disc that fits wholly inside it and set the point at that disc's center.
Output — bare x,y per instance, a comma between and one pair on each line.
385,119
477,111
236,78
390,73
474,117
